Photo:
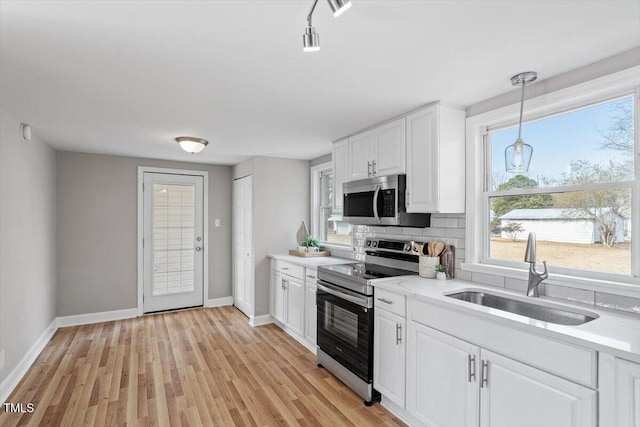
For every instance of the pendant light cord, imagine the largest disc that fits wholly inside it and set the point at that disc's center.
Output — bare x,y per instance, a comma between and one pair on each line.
313,7
521,109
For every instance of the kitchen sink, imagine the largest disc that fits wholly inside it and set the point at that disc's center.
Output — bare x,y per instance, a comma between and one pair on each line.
560,316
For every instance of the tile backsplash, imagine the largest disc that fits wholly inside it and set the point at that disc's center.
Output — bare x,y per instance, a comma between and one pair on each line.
450,228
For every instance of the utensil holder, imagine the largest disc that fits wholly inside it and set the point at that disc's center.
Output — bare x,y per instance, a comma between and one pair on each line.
427,266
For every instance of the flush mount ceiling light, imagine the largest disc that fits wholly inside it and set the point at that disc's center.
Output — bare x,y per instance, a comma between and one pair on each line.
310,38
517,156
191,145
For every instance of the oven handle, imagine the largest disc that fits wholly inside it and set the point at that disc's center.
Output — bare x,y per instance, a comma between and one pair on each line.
375,203
359,301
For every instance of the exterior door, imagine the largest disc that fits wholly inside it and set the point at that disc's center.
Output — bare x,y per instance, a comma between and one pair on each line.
173,241
243,245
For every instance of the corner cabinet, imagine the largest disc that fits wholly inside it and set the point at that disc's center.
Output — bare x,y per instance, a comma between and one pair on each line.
436,160
379,151
340,171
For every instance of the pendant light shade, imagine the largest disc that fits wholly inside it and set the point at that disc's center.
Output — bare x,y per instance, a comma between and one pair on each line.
338,7
191,145
310,40
517,156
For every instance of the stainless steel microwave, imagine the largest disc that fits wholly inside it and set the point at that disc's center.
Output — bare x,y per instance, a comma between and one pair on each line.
380,201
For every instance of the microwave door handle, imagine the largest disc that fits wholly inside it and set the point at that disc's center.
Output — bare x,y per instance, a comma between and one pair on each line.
375,203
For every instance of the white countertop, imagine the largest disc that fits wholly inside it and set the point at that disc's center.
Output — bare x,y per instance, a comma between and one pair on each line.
614,333
312,262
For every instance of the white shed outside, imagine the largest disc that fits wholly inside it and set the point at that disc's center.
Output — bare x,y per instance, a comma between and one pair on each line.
557,225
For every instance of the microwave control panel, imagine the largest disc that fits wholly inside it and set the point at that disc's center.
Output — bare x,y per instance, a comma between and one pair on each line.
388,203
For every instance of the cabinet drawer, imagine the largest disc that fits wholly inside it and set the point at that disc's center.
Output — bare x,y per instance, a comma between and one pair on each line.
289,269
391,301
310,276
564,359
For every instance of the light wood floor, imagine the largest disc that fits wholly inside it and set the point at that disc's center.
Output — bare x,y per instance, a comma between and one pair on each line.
196,367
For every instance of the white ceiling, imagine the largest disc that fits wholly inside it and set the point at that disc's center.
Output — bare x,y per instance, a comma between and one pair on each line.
126,77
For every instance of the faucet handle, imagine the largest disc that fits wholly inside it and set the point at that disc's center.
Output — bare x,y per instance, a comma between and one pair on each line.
544,274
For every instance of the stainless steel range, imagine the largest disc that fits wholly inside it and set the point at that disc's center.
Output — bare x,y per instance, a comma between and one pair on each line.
345,311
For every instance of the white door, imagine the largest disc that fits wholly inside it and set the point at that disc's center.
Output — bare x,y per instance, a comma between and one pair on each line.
514,395
442,389
389,355
173,241
243,245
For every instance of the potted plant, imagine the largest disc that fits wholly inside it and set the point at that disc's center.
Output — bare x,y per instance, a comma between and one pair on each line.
312,245
441,272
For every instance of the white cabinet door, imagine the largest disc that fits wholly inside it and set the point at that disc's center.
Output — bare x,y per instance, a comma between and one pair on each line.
340,171
442,375
422,160
294,292
360,155
389,149
277,296
619,392
311,331
513,394
389,355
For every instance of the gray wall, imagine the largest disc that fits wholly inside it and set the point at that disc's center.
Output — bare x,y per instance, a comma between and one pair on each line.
97,230
280,204
27,241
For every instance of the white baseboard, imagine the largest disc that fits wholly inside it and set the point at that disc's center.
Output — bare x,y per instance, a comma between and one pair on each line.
23,366
105,316
265,319
219,302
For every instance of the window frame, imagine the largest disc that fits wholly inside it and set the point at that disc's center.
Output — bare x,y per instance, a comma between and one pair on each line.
315,192
611,87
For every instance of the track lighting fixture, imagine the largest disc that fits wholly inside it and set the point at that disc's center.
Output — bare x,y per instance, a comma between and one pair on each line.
311,38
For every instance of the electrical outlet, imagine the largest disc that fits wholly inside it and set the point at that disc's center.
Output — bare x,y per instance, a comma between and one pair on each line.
217,223
1,359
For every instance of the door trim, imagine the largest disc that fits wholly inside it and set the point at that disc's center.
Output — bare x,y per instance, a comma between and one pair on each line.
205,227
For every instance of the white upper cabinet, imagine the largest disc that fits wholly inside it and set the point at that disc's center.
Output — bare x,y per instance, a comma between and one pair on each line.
379,151
435,160
360,155
389,149
340,171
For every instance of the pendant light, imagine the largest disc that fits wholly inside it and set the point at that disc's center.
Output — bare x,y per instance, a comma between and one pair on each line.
311,38
517,156
191,145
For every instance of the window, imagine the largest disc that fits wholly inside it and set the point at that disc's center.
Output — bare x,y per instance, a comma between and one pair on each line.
580,196
326,225
576,195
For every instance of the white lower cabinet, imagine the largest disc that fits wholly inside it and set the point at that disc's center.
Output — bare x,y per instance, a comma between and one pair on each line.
442,378
294,289
619,382
451,382
277,296
389,355
514,394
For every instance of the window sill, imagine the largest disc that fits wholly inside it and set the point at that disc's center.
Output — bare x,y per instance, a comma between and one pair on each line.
631,289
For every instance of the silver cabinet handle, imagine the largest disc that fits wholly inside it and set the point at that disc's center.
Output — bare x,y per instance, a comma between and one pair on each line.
285,268
398,334
472,367
285,283
368,168
310,276
282,283
484,379
374,167
386,301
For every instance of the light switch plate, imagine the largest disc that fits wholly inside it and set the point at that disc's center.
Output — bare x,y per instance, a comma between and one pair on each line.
217,223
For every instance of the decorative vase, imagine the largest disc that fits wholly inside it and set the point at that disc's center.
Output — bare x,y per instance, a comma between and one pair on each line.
427,266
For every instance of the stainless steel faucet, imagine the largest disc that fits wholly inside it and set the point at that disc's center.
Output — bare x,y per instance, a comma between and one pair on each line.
535,277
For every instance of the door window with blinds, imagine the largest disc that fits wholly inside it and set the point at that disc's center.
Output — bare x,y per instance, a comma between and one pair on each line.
173,241
173,238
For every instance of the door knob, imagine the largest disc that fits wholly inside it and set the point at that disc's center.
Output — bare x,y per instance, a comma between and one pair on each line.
198,248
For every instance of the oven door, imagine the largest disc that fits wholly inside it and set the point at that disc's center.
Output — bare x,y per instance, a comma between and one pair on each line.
345,328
